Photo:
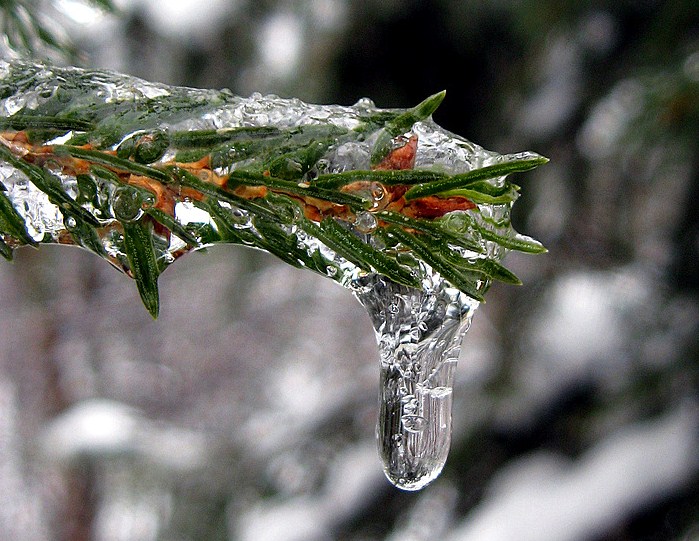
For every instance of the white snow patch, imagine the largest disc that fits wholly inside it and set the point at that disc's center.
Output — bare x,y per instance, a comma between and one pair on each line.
91,427
354,477
545,497
281,44
101,428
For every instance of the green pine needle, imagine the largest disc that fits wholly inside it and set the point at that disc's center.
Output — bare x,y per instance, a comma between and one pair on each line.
138,243
511,164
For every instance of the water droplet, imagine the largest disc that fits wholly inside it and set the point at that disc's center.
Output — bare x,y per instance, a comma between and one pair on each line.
456,222
71,222
150,147
321,166
288,210
377,192
406,258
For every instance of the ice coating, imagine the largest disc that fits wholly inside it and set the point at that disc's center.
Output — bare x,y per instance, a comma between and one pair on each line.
141,173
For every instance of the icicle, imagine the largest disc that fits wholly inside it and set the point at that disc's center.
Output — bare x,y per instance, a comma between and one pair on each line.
419,334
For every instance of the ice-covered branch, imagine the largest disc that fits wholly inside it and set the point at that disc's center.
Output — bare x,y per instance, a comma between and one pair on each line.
140,173
411,218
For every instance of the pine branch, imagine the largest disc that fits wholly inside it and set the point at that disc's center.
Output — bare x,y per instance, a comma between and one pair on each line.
141,173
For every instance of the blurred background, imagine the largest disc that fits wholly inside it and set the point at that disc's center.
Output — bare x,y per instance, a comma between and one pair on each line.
247,410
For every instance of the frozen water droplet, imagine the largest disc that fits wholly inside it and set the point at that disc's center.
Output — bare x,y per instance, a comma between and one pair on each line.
70,222
365,222
365,103
240,217
287,210
419,334
378,242
456,223
377,192
126,204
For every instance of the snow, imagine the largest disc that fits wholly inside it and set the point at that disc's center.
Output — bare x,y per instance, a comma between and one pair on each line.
545,497
102,428
354,480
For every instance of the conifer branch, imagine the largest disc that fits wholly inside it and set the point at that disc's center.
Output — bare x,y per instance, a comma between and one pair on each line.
123,161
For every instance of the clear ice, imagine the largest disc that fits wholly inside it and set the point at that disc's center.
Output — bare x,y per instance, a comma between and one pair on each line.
418,330
419,333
